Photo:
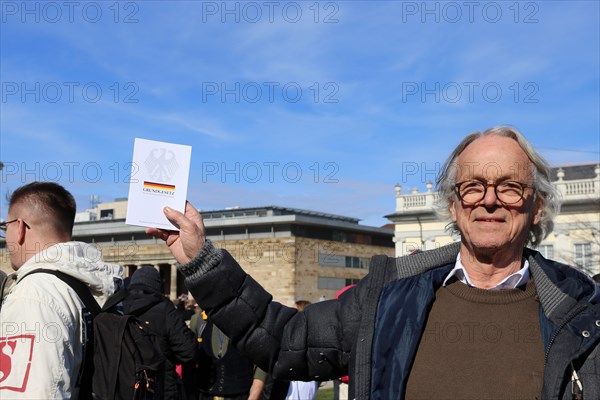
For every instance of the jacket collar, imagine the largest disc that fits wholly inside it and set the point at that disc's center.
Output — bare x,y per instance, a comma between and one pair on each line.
559,286
415,264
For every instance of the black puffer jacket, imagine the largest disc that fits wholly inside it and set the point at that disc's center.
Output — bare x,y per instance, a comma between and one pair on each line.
177,341
334,338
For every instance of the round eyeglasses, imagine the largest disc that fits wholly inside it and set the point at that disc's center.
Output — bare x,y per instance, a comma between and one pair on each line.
508,192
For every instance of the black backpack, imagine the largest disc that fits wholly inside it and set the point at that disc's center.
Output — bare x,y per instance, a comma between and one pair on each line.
121,357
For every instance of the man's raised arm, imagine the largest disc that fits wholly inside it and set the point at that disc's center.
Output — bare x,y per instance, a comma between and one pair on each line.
274,337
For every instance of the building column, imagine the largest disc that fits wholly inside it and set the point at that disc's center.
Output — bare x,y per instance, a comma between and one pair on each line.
181,288
398,240
563,251
173,287
130,269
165,276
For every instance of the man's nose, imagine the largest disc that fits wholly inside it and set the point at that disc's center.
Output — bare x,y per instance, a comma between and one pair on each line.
489,198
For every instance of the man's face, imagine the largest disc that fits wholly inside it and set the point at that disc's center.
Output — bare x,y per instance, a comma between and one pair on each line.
11,242
489,226
15,249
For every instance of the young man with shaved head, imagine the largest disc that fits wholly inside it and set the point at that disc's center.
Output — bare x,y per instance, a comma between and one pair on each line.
42,320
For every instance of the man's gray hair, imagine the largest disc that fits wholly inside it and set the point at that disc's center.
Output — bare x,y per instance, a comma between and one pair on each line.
544,190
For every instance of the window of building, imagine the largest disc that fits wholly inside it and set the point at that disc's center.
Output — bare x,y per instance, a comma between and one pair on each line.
583,255
331,283
360,238
331,260
339,236
335,260
357,262
352,262
107,214
547,250
326,283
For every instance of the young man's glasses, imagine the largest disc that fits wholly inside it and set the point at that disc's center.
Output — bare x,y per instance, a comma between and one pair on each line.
508,192
4,224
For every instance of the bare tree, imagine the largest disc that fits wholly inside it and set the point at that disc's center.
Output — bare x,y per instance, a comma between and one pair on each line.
585,232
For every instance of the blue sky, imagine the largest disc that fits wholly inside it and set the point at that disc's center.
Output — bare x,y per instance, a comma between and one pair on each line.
316,105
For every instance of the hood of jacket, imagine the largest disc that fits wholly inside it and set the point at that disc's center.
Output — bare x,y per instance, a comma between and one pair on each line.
82,261
560,287
571,281
139,301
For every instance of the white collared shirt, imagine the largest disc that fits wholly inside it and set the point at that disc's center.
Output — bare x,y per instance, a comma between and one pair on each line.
513,281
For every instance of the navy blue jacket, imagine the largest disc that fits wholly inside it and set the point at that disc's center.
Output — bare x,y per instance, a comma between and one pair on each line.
351,336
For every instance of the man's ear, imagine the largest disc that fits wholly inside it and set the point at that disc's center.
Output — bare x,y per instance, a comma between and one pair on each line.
452,210
21,232
539,209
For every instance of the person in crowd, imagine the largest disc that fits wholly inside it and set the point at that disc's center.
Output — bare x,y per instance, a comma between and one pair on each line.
274,389
42,323
178,343
196,318
488,317
185,307
222,371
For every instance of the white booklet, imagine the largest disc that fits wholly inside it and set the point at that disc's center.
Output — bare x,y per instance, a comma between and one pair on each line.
159,178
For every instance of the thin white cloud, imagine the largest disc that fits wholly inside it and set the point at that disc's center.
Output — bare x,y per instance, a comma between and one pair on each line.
194,125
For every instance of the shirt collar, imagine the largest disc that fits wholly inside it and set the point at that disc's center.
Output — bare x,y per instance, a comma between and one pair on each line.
519,278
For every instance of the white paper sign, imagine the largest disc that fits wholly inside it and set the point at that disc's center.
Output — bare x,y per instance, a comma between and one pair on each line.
159,178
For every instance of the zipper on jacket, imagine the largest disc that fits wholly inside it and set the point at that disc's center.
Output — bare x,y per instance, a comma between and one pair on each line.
576,386
567,319
575,393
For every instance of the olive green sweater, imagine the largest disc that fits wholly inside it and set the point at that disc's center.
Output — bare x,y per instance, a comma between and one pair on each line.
469,334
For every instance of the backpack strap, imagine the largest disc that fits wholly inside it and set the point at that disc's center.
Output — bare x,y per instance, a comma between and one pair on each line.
115,299
5,284
79,287
84,293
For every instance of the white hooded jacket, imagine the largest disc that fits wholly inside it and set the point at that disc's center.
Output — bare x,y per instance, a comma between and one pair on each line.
41,324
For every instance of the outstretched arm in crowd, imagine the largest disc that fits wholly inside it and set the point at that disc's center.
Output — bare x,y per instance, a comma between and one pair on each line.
290,344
